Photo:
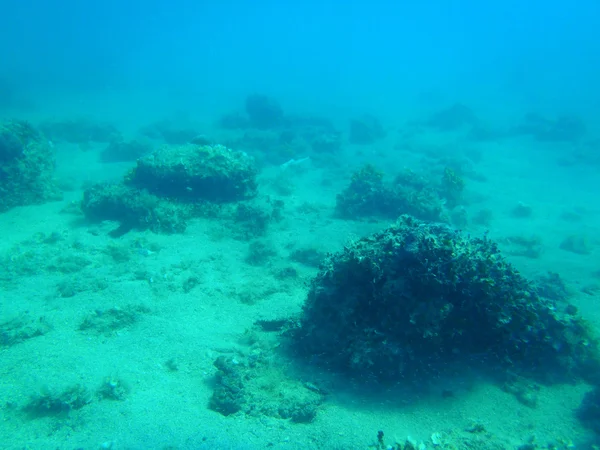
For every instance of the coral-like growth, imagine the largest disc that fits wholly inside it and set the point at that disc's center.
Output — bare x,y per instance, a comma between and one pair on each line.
410,299
453,186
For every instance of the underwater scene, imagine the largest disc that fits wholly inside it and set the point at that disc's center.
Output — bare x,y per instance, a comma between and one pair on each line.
299,225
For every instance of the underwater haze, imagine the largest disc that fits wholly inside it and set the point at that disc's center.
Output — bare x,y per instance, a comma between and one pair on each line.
297,225
331,55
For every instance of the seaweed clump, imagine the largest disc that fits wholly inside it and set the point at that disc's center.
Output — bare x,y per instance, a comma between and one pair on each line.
417,298
26,166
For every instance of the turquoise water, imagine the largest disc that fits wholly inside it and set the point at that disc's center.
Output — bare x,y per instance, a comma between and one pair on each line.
182,184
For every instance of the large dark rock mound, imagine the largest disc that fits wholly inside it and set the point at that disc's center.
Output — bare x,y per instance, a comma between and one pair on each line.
417,298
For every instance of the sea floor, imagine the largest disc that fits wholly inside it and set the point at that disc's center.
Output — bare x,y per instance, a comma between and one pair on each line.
186,299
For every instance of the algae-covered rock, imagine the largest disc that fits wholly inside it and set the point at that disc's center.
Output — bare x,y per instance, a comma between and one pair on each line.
256,386
228,395
562,129
133,208
169,186
453,118
576,244
366,130
416,296
26,166
368,195
264,112
196,172
171,132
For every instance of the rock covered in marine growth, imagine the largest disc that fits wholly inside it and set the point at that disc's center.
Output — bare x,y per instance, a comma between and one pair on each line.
369,195
196,172
26,166
417,296
132,208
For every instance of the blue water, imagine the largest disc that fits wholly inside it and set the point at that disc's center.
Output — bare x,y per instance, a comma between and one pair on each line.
503,94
